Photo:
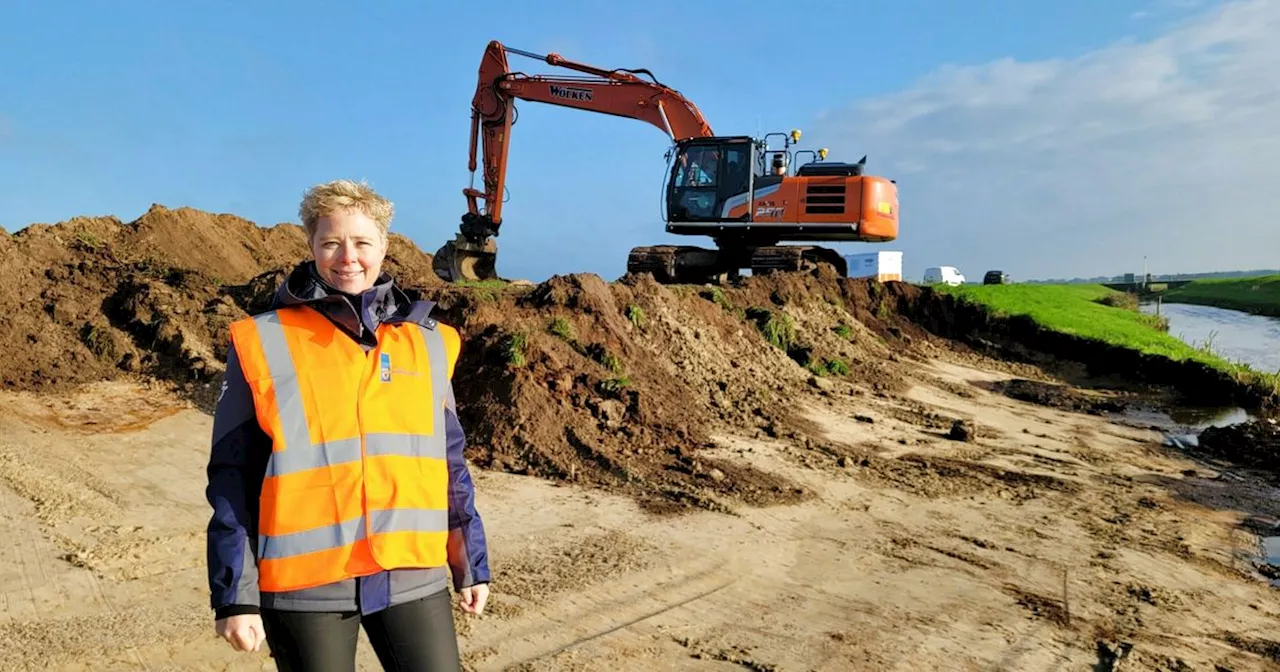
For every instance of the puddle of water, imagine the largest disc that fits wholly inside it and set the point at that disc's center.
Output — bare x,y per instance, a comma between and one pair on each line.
1188,419
1271,557
1181,426
1271,550
1203,418
1185,422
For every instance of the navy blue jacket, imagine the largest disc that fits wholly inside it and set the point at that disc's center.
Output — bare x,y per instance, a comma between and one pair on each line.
238,459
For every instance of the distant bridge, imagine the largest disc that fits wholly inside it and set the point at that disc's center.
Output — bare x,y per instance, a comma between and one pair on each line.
1147,288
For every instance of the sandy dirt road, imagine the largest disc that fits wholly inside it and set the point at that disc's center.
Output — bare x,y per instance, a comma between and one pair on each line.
1050,542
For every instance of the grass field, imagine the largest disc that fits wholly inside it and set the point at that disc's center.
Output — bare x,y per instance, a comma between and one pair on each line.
1079,310
1259,295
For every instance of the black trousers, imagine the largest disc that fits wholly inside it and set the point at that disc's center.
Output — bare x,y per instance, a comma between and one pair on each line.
416,636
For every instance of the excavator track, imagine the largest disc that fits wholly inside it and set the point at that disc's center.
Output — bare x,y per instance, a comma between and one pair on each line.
686,264
796,258
676,264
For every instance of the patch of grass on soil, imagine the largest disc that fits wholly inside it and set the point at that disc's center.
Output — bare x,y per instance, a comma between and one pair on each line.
1101,314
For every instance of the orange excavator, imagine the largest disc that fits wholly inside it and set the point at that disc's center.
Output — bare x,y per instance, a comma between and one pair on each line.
737,190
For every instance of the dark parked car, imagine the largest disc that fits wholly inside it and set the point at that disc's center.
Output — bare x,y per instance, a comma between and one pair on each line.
996,278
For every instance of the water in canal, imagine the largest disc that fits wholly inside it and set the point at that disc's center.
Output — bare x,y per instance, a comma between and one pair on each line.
1235,336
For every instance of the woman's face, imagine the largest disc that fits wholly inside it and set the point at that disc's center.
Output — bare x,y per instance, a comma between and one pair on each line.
348,249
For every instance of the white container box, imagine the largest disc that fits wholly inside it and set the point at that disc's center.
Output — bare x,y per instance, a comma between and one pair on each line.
883,266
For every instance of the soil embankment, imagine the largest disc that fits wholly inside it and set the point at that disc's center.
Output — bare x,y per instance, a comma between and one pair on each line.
858,468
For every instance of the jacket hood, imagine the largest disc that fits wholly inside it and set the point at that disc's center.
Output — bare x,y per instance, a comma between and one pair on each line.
358,314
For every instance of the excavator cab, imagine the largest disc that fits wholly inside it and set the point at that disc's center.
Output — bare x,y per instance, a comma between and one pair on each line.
708,176
715,180
750,198
744,193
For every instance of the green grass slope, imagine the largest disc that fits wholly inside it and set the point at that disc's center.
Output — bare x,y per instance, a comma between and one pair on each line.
1257,295
1097,313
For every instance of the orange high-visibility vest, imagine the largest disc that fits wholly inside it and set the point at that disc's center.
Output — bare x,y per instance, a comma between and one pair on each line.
357,480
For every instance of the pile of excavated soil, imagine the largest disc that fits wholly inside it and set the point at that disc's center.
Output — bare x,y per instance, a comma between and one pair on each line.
618,384
1060,396
622,384
90,299
1254,444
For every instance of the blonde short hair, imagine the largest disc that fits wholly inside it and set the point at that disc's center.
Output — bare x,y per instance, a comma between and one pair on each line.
325,199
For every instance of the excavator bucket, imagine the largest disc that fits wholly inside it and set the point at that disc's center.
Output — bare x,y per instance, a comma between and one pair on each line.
461,259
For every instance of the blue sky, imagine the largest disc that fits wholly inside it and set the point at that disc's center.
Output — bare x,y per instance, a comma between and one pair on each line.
107,108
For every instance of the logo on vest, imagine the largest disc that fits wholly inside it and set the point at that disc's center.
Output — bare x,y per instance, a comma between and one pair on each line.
385,364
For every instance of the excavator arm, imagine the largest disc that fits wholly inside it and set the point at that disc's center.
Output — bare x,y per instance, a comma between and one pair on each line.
618,92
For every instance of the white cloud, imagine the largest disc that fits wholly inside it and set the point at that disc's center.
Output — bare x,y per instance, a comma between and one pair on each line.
1168,148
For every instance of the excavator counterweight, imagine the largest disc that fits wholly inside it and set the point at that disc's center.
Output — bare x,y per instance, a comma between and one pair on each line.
737,190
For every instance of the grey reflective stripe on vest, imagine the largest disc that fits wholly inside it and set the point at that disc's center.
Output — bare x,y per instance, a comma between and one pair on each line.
300,454
293,417
310,541
403,520
329,536
439,388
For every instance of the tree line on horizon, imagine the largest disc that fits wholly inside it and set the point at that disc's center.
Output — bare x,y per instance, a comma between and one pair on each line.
1157,277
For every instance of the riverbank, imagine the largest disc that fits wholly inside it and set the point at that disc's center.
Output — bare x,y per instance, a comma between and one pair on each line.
1257,295
1104,330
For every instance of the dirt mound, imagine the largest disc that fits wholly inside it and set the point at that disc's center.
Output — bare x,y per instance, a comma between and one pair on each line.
616,384
1059,396
93,298
225,248
1253,444
623,384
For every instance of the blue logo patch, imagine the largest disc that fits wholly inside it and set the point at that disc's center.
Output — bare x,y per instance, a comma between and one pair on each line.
385,365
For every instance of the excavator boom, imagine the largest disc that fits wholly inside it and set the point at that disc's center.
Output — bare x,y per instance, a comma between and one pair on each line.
618,92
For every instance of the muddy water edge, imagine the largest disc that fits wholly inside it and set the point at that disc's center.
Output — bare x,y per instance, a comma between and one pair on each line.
1252,340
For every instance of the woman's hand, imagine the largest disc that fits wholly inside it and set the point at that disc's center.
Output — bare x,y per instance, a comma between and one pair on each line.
472,598
244,632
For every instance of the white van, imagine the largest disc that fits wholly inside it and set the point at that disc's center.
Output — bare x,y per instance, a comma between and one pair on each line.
947,275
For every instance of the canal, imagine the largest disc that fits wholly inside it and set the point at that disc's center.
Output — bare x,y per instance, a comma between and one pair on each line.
1253,340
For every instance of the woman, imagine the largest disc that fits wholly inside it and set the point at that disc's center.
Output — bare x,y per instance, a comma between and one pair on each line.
340,494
